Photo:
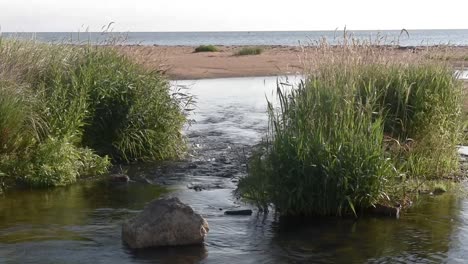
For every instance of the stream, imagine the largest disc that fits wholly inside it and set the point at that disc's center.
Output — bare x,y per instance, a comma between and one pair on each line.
81,223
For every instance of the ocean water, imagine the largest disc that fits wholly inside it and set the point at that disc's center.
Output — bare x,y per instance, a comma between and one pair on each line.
289,38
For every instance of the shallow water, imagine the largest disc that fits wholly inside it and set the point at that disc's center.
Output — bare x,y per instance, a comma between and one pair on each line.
82,223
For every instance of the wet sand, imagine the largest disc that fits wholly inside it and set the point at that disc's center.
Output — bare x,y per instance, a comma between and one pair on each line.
180,62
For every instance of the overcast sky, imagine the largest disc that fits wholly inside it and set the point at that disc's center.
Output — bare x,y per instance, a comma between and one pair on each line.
242,15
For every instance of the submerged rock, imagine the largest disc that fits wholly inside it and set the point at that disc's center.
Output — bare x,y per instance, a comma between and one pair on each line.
197,187
439,190
119,178
383,210
165,222
238,212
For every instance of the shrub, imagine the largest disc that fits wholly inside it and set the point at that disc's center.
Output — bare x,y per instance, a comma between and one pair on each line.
132,115
337,141
323,153
206,48
422,115
59,104
249,51
57,162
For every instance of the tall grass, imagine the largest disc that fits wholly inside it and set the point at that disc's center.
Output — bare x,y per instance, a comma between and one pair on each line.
17,118
356,129
61,105
132,115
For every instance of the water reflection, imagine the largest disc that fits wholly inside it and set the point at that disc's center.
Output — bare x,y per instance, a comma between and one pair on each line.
74,204
422,236
169,255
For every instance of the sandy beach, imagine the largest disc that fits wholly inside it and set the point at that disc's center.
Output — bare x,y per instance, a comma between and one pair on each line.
180,62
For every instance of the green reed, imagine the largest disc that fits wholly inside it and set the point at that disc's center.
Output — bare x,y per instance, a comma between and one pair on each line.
61,105
352,133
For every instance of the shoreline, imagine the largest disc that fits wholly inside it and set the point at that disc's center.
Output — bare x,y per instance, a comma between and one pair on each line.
182,63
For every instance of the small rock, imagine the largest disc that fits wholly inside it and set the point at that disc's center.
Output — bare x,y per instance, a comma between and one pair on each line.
438,191
384,210
238,212
192,166
196,187
165,222
119,178
224,160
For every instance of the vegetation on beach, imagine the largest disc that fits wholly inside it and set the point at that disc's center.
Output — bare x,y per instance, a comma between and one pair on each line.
66,111
206,48
355,132
249,51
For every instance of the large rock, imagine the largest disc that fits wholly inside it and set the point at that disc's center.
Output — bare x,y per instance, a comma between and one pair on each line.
165,222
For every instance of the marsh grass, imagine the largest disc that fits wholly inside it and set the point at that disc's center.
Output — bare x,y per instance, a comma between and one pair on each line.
354,132
249,51
17,119
65,110
206,48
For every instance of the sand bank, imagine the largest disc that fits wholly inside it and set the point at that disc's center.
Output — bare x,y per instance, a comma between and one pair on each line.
180,62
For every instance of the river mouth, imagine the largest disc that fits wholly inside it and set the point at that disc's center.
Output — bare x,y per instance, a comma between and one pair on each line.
82,223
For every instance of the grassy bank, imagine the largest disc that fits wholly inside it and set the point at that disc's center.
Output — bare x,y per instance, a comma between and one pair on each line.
67,111
355,133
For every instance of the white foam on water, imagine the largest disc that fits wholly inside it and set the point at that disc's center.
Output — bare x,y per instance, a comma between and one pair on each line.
463,150
462,75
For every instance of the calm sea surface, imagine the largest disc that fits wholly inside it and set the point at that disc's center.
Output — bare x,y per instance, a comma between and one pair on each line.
413,38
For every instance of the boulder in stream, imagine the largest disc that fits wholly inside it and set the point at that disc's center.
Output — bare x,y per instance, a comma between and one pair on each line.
165,222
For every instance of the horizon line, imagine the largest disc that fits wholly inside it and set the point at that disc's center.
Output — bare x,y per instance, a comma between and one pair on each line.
238,31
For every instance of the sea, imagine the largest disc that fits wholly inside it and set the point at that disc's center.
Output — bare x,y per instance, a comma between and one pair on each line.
455,37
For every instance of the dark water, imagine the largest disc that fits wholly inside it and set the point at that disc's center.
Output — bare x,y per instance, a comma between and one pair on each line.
82,223
416,37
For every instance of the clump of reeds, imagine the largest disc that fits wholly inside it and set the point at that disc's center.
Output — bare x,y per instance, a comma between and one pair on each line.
249,51
206,48
358,126
64,109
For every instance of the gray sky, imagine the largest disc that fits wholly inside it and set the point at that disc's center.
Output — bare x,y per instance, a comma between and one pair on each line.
248,15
